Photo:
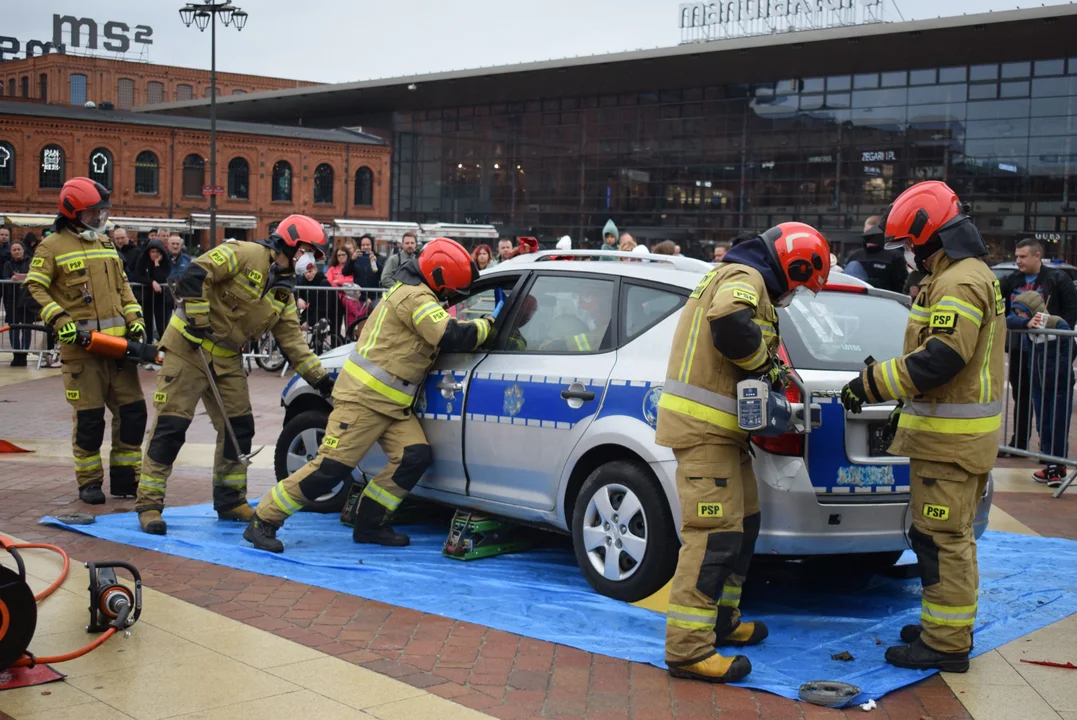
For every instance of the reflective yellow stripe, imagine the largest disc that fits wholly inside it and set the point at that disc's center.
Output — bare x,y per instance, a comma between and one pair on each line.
483,329
307,364
50,311
230,480
277,305
892,379
369,344
730,596
689,624
962,308
88,463
919,314
124,459
767,328
709,612
423,311
582,343
229,255
85,254
39,278
721,419
196,307
152,483
949,615
114,331
208,345
950,426
985,374
290,308
375,384
132,308
755,359
283,500
382,497
690,350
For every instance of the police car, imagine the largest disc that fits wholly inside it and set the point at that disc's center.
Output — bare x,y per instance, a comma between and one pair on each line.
552,423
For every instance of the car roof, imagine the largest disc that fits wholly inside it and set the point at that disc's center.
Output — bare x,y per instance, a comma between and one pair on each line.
1013,266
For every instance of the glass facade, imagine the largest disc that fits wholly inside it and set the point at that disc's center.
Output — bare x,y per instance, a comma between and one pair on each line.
700,164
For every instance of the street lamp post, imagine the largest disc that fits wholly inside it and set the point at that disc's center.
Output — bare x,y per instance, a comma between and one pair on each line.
203,16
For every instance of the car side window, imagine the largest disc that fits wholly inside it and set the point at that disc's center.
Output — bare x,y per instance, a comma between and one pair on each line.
644,307
483,300
564,315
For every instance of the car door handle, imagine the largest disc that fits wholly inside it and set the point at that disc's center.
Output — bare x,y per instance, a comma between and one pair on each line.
570,394
449,387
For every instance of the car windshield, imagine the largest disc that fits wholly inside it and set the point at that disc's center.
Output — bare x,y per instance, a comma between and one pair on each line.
839,330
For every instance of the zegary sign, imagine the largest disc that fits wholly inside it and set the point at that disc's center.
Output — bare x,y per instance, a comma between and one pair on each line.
68,30
700,21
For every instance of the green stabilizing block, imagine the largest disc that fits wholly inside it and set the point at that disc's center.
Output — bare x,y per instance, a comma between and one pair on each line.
473,536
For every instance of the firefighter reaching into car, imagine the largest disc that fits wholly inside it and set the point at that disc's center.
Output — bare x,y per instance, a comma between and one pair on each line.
727,332
374,398
228,296
949,386
77,278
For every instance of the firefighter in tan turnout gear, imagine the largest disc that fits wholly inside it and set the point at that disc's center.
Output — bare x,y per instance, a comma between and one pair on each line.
78,279
228,296
949,385
728,331
374,397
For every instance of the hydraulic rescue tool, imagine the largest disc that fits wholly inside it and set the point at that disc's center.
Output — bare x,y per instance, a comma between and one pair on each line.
114,607
766,412
119,348
244,459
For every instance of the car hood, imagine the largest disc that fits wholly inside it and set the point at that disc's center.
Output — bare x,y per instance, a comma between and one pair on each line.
334,359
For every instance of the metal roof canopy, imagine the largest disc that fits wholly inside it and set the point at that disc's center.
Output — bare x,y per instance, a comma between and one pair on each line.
453,230
28,220
380,229
139,224
200,221
1031,33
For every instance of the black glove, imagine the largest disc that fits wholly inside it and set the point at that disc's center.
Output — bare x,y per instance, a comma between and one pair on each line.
325,386
892,421
853,395
196,332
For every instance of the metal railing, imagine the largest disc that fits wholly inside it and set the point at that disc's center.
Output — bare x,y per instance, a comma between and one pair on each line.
1038,414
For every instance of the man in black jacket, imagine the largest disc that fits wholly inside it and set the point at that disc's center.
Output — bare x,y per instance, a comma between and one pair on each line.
1058,292
129,254
365,266
885,268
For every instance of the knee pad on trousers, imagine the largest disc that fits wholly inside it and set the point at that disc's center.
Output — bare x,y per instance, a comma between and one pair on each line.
244,429
168,438
719,560
90,429
413,463
324,479
132,422
747,547
927,553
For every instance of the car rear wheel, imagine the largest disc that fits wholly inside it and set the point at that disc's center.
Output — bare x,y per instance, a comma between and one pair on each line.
297,445
623,533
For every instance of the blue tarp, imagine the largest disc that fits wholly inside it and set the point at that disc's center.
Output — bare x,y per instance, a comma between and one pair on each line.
1025,583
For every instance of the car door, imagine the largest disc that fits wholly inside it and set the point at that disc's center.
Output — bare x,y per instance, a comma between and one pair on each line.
534,395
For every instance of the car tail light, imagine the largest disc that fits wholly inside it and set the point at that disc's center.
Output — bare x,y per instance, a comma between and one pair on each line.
842,287
790,444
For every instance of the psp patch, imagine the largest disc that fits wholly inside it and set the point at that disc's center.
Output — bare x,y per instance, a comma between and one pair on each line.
936,512
709,510
330,442
218,257
943,320
72,394
438,315
160,397
255,276
1000,304
37,262
75,265
749,297
703,284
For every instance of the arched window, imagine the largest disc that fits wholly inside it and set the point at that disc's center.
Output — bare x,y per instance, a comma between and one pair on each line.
155,92
282,181
184,92
146,173
125,93
101,167
77,87
323,183
51,171
7,164
194,175
237,91
364,187
239,173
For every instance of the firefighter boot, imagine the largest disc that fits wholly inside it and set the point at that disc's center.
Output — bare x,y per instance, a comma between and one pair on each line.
242,512
369,528
911,633
744,634
263,535
152,522
714,669
91,494
918,656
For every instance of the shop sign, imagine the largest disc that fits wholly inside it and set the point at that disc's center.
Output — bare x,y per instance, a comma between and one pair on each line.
731,18
878,156
50,160
118,37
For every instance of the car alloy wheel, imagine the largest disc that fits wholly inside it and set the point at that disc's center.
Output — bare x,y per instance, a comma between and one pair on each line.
615,532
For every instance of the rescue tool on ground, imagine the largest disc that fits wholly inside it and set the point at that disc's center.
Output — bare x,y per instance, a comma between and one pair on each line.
244,458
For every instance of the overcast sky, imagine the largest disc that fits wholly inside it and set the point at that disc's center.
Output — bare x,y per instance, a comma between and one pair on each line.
345,40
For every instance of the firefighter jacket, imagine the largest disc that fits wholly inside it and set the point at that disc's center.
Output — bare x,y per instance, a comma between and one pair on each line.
951,376
79,277
400,342
728,330
236,291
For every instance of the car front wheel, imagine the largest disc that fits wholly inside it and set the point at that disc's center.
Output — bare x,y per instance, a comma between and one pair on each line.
623,533
297,445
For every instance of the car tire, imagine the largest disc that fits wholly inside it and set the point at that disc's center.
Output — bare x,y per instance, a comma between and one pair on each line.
311,422
614,482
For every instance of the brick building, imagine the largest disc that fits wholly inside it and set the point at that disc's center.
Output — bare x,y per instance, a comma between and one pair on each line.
157,166
75,79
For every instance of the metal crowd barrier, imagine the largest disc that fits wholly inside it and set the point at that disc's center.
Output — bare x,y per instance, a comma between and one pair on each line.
1038,414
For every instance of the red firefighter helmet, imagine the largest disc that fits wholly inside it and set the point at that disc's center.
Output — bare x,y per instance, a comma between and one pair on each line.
296,229
802,253
920,212
80,194
446,266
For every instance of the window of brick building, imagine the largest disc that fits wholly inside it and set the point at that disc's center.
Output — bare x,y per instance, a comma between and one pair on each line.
1,88
101,167
146,172
77,89
11,87
237,91
194,175
51,169
282,181
155,92
7,165
239,173
125,93
323,183
364,187
205,92
24,82
184,92
43,87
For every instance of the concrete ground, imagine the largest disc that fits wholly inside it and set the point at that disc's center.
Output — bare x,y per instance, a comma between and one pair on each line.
227,643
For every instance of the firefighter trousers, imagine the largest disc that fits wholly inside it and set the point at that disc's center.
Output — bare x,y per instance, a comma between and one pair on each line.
352,430
719,528
943,507
91,384
181,383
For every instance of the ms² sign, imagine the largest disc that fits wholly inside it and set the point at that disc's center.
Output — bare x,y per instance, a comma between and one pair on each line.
112,35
